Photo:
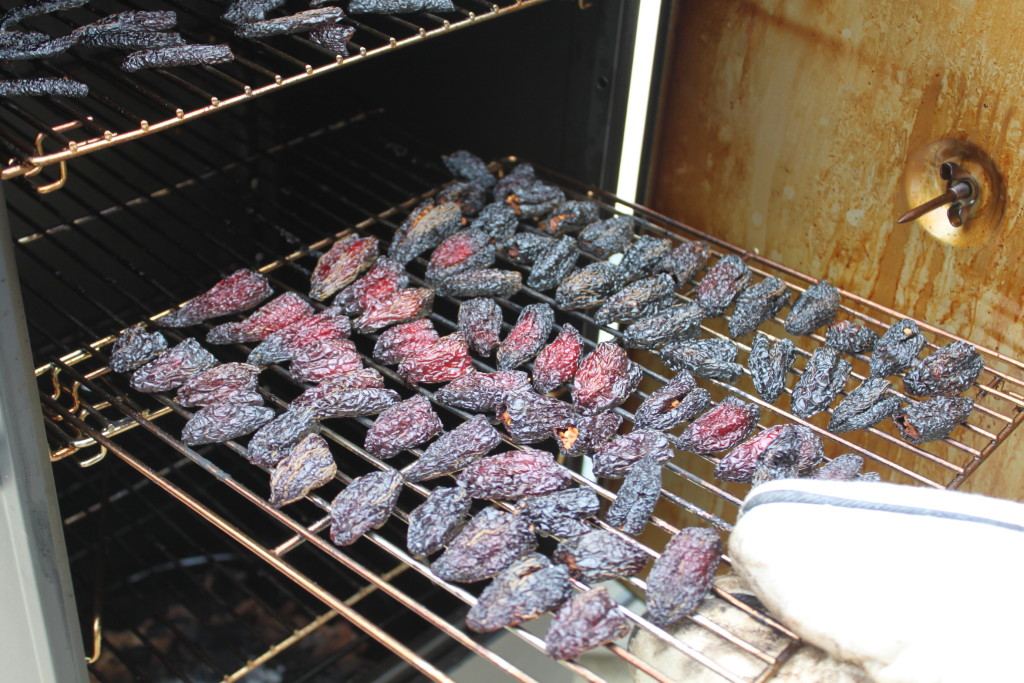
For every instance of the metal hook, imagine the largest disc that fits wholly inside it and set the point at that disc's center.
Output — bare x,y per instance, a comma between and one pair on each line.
62,165
961,192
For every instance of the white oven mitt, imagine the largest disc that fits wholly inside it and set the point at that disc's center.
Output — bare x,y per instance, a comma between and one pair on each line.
913,584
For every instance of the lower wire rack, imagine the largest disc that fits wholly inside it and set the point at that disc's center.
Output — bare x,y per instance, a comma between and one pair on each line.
91,412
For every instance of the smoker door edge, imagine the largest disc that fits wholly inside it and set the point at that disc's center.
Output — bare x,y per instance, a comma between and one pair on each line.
40,639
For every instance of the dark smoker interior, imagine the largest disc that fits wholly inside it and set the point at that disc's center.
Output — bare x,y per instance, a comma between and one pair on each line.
141,227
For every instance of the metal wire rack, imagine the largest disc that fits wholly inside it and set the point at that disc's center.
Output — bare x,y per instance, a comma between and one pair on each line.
91,412
122,107
188,607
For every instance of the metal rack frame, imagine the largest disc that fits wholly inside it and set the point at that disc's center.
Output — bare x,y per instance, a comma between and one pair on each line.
273,618
79,392
115,112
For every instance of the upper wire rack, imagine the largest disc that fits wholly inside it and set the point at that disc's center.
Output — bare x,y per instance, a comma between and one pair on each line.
123,107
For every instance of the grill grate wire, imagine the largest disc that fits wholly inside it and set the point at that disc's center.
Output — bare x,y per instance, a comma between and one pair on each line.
123,107
108,404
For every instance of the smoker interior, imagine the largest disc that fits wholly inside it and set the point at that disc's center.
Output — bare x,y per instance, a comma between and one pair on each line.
277,210
191,573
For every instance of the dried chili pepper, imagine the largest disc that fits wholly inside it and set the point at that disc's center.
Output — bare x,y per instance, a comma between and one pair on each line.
685,261
845,467
561,513
933,419
309,465
135,347
619,455
399,6
682,576
128,39
465,250
607,237
385,277
223,422
514,475
226,383
758,304
524,591
644,256
498,220
182,55
600,555
425,228
824,377
722,284
480,321
586,433
817,306
42,87
239,291
769,363
519,177
525,248
482,282
589,286
949,371
605,379
482,392
403,340
557,362
455,450
637,496
676,402
246,11
364,504
781,459
172,367
335,399
333,38
897,348
467,166
586,621
276,314
468,196
527,337
402,306
570,216
490,543
300,22
275,439
720,428
553,265
867,405
444,360
741,462
131,20
638,300
318,398
535,200
283,344
678,323
28,47
530,418
401,426
709,358
437,520
318,361
850,337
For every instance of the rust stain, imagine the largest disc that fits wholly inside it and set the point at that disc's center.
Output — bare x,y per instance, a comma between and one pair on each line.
790,123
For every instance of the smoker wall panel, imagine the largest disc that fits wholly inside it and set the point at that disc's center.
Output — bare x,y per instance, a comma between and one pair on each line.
789,126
